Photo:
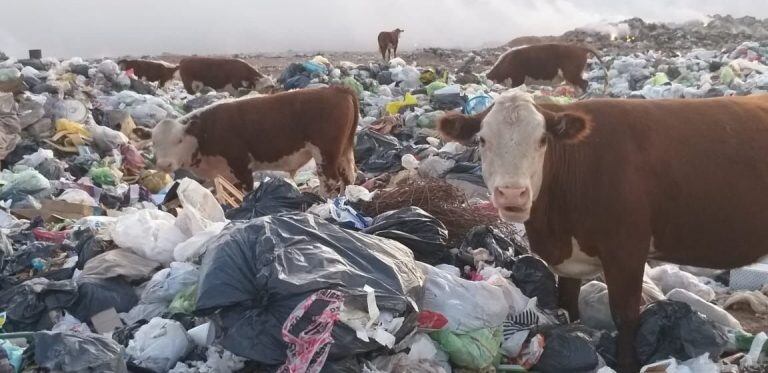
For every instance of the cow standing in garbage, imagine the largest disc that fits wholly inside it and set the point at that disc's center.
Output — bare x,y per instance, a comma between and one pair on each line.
603,185
221,74
545,62
280,132
152,71
388,41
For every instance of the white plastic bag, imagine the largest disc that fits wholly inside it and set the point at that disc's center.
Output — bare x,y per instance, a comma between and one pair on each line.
711,311
468,305
594,309
159,344
78,196
105,139
149,233
200,209
192,248
669,277
165,284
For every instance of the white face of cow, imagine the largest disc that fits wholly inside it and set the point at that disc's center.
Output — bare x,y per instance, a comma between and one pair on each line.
512,145
173,147
513,136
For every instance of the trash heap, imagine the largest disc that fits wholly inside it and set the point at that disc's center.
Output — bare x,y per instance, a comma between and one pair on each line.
109,265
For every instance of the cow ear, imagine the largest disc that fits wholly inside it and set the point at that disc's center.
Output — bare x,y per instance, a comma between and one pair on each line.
462,128
567,126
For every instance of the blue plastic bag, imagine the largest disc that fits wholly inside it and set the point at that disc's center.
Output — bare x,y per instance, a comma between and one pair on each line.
477,104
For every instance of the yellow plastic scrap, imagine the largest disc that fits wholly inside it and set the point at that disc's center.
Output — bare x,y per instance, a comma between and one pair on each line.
727,75
659,79
394,107
70,127
155,181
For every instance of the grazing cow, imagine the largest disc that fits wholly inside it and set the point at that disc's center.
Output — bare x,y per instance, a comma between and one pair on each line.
281,132
221,74
388,43
543,62
153,71
603,185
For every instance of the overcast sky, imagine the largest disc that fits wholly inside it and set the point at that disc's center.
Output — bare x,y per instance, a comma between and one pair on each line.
95,28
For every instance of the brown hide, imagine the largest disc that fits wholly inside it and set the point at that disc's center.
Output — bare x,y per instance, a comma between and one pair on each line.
688,176
217,73
152,71
682,181
542,62
388,41
267,128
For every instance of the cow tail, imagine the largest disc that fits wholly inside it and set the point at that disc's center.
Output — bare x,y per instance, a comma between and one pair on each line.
602,64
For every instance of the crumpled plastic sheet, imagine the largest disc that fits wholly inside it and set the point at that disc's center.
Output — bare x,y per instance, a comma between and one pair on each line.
159,344
77,352
273,196
119,263
308,350
26,303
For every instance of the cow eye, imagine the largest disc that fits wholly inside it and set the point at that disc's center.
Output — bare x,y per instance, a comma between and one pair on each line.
180,140
482,141
543,141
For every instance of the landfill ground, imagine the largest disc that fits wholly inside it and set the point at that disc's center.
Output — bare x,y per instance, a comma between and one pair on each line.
110,264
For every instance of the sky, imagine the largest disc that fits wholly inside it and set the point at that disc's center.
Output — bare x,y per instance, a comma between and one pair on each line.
99,28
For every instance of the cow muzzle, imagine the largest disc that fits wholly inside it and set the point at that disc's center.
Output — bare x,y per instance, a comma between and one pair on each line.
165,166
513,203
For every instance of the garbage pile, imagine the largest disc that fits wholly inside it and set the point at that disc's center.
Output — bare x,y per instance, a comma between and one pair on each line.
109,265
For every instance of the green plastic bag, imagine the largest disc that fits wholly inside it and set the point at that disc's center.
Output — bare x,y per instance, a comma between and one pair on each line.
428,76
184,302
429,120
350,82
474,350
727,76
435,86
103,176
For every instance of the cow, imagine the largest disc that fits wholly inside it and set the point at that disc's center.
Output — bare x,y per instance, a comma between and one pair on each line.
603,185
388,43
280,132
221,74
543,62
153,71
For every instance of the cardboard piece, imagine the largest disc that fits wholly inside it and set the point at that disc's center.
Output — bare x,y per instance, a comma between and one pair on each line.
52,210
106,321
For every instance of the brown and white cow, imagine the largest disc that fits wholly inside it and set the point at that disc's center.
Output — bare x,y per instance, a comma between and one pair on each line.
388,43
221,74
280,132
542,62
153,71
603,185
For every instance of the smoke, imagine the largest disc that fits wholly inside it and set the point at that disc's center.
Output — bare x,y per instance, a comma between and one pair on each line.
94,28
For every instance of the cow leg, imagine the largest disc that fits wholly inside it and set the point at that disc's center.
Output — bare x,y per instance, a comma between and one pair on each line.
188,87
568,290
517,81
394,50
624,280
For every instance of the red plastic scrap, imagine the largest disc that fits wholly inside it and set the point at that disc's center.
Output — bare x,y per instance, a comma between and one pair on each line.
48,236
431,320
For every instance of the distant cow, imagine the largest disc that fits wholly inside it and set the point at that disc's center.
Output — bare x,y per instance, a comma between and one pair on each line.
153,71
281,132
603,185
388,43
221,74
543,62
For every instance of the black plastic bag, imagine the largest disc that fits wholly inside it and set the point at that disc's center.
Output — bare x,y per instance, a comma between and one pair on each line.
255,273
502,250
273,196
672,329
375,152
535,279
27,303
413,227
125,334
568,348
78,352
95,296
87,246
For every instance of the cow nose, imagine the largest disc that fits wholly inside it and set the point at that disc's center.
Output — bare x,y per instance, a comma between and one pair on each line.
511,196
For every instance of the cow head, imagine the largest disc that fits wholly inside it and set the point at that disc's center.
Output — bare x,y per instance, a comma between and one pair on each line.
513,135
397,32
264,85
173,146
